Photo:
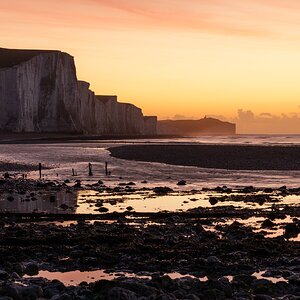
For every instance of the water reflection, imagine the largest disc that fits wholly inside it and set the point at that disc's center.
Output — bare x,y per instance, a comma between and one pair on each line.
39,202
97,202
74,278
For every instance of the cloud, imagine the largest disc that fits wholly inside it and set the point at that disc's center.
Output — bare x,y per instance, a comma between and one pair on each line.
245,115
267,123
181,117
257,18
249,18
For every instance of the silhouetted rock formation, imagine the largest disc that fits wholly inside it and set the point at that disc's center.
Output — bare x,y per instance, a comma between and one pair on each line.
39,92
206,126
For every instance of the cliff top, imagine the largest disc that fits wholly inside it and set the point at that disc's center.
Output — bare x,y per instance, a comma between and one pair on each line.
12,57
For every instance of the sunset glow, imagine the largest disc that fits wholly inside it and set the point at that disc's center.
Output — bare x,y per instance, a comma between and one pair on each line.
190,58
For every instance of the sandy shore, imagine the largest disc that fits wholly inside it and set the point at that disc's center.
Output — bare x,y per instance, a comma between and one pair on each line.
229,157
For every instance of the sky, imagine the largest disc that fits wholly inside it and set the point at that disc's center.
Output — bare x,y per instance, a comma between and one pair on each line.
226,58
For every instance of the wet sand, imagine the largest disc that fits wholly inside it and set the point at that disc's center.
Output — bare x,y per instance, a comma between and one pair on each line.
229,157
16,167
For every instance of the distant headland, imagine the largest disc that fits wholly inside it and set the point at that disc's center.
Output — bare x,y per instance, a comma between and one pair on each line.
205,126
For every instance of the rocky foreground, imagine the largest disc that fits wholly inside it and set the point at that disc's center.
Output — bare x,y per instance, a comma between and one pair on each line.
217,256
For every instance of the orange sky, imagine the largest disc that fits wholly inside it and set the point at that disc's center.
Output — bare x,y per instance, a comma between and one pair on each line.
187,57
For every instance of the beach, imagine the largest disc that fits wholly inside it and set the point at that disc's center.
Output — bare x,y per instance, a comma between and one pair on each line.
150,229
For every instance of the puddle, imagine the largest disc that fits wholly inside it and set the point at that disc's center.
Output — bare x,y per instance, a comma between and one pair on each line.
39,202
76,277
150,202
260,275
95,202
177,275
255,222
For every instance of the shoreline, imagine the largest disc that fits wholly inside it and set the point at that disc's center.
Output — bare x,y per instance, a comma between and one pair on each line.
49,138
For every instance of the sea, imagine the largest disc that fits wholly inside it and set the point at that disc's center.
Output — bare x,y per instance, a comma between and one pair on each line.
58,160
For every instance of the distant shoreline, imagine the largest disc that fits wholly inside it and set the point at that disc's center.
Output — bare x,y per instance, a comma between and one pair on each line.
229,157
38,138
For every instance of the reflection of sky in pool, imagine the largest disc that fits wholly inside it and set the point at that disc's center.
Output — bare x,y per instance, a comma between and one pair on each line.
89,201
76,277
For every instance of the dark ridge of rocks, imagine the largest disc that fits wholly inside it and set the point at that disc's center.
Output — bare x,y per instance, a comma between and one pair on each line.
229,157
12,57
17,167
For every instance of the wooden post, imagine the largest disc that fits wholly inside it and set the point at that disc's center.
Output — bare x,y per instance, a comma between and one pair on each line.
106,168
40,170
73,172
90,170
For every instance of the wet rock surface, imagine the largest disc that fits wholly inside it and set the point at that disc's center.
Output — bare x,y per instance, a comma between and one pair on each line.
216,250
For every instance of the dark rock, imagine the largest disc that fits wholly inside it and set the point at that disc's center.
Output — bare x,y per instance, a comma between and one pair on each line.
52,198
64,296
181,182
191,297
10,198
263,286
31,292
3,275
103,209
262,297
248,189
31,269
120,294
213,260
244,278
64,206
291,229
162,190
267,223
213,200
163,282
6,175
13,291
218,189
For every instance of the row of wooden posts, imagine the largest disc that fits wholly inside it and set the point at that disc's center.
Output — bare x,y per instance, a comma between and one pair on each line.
74,172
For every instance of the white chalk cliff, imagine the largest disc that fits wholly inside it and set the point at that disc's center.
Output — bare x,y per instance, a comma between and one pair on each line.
39,92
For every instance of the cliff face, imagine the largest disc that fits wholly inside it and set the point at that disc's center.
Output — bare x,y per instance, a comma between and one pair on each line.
206,126
37,95
39,92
